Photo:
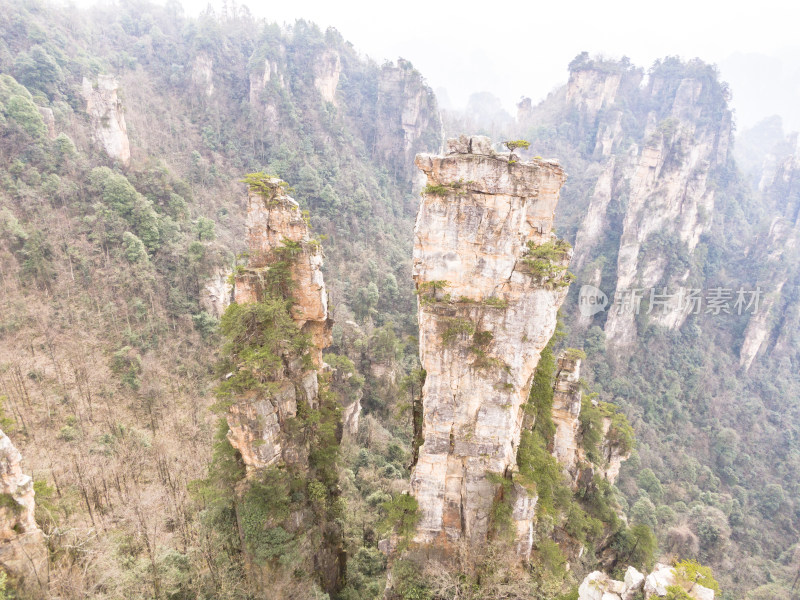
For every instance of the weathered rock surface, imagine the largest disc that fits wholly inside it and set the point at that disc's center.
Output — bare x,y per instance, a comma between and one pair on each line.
203,73
408,114
664,576
217,293
599,586
770,329
592,89
667,179
271,222
108,117
23,554
257,422
567,447
49,120
567,397
481,332
327,69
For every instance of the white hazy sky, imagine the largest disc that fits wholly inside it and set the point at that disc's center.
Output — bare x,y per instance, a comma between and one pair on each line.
522,48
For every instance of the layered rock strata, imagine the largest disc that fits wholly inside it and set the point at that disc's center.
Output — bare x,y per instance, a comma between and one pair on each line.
485,314
23,554
108,117
275,226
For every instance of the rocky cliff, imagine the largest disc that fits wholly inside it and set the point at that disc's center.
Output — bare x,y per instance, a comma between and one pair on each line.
490,276
108,117
568,445
661,150
23,554
770,329
278,239
408,116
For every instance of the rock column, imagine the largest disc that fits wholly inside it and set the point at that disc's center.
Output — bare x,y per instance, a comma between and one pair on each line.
491,276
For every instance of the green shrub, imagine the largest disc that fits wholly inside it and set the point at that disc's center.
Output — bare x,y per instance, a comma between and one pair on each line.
691,572
455,328
514,144
400,515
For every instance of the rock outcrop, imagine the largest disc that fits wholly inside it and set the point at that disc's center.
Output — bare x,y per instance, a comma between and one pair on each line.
275,224
770,328
667,179
108,117
203,73
567,443
217,292
327,69
567,398
599,586
23,554
408,115
487,308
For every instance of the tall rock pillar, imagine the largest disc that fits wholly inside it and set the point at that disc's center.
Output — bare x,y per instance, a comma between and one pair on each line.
278,238
490,276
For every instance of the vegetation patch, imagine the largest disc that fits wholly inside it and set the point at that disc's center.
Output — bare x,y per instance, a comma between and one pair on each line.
548,262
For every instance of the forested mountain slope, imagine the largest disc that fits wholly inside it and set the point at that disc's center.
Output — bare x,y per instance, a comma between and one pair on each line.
125,134
706,369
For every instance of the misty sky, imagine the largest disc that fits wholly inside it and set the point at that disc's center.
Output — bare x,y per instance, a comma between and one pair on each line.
515,49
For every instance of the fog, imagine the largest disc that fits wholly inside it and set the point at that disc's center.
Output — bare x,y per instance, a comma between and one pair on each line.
523,49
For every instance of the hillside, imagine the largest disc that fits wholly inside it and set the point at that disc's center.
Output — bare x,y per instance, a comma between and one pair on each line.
125,135
386,408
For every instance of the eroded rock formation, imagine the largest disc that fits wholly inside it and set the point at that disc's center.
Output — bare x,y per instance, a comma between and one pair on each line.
770,328
661,160
274,224
567,443
487,308
108,117
203,73
408,116
599,586
327,69
23,554
567,398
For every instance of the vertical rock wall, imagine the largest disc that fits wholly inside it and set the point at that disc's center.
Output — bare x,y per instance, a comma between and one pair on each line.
108,118
256,422
484,318
23,554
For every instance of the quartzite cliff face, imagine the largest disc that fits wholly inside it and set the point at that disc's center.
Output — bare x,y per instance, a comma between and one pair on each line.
108,117
484,318
23,554
256,423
